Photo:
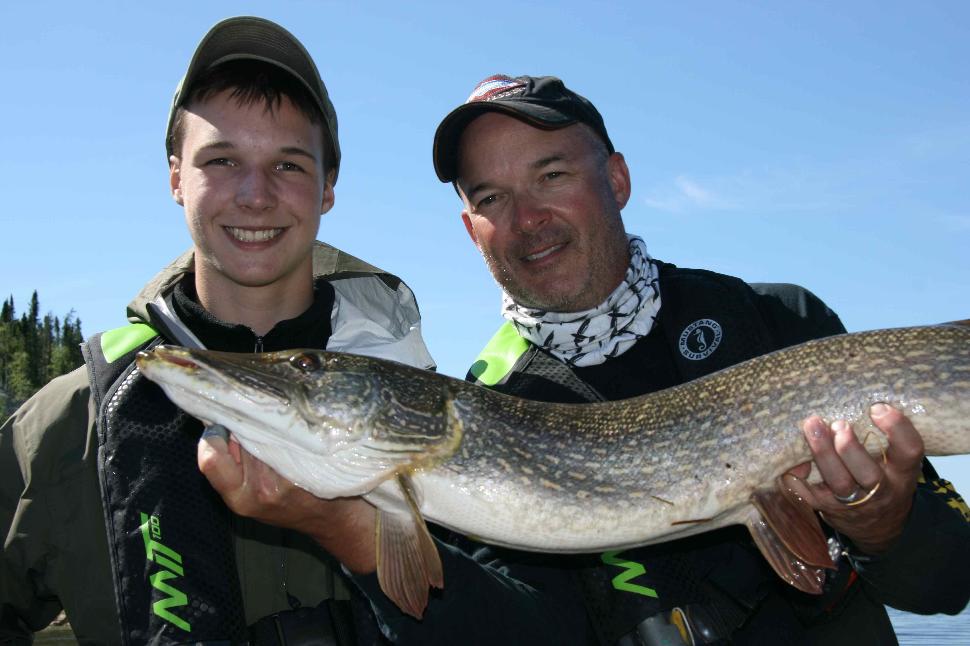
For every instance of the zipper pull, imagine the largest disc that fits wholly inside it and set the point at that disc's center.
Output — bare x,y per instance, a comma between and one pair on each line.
259,345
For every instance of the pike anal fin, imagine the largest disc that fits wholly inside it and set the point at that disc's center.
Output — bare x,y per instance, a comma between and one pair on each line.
407,558
790,538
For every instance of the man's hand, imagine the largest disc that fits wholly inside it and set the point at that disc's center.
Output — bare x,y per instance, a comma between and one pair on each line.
345,527
876,494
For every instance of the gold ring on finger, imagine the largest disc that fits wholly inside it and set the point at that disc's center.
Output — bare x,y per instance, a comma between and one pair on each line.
864,498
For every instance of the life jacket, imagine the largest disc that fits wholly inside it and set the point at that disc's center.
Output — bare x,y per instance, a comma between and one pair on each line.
708,321
169,532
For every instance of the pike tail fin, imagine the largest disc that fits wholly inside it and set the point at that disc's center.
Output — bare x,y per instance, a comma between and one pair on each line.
791,540
407,558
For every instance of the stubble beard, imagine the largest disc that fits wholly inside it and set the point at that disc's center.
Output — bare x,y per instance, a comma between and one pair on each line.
599,273
547,300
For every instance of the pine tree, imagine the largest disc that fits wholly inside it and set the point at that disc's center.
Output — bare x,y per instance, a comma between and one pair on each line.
29,375
34,350
9,342
6,313
21,385
66,355
45,347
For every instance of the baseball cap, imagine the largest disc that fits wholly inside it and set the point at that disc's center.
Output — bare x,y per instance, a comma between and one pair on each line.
542,101
249,37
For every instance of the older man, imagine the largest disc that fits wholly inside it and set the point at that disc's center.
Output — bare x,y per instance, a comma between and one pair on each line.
591,316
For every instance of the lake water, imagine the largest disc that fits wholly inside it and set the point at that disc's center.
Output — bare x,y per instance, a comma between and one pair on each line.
935,630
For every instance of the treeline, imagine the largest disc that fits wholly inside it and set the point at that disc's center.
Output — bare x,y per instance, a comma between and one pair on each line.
34,350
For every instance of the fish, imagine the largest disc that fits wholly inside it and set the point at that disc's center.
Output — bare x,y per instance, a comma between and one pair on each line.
571,478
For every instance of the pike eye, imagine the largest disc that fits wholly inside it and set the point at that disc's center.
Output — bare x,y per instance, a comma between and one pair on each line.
305,362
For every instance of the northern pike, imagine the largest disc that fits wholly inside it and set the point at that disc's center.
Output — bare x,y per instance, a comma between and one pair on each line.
571,477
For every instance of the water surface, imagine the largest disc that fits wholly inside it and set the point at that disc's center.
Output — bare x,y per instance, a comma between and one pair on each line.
935,630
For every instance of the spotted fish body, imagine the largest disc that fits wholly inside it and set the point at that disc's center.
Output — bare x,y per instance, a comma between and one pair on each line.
613,475
569,477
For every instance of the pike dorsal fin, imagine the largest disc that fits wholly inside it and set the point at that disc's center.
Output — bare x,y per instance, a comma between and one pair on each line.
806,574
407,558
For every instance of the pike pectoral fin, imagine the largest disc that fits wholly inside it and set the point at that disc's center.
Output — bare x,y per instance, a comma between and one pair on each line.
786,564
407,558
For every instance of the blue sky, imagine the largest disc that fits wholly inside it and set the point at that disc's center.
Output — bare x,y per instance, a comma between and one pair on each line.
822,143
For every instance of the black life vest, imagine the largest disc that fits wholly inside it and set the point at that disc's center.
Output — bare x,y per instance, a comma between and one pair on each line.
709,321
169,533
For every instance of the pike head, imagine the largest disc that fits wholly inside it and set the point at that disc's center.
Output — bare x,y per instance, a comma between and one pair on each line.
335,424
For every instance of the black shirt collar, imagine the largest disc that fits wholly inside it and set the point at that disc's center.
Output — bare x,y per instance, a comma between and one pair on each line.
311,329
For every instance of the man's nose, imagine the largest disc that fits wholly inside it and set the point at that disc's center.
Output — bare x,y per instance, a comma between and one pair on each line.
530,212
256,190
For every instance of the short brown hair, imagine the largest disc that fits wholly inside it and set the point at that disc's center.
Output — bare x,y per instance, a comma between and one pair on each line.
250,82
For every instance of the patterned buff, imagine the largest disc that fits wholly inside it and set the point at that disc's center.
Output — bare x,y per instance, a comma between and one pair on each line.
591,337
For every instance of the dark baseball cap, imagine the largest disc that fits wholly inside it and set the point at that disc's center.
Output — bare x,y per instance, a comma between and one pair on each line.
541,101
251,38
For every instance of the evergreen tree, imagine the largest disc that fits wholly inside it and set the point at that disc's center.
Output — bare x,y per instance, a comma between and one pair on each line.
29,375
9,341
21,385
45,346
34,350
66,355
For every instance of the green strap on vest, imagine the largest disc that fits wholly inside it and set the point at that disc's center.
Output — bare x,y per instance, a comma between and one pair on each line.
498,357
122,340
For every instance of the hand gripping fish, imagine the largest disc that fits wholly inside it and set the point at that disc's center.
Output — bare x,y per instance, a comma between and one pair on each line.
571,477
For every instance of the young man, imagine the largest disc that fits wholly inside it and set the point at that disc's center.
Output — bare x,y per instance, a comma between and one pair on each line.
103,509
591,316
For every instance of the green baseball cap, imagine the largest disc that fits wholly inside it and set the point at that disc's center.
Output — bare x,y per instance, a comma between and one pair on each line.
248,37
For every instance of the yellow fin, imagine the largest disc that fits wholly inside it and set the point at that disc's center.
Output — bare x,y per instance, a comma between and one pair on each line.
407,558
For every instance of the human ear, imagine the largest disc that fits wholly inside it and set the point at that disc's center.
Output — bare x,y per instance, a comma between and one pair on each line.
175,178
619,176
328,195
469,227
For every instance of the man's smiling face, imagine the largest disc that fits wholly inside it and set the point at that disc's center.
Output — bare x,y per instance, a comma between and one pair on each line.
253,186
543,207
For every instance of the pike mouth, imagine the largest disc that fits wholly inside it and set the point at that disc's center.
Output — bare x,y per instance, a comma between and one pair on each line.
150,361
259,414
180,368
253,235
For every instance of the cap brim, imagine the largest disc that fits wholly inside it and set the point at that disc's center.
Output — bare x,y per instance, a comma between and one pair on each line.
253,38
449,131
249,37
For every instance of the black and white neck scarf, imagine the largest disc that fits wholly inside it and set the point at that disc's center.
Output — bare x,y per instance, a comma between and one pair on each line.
591,337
